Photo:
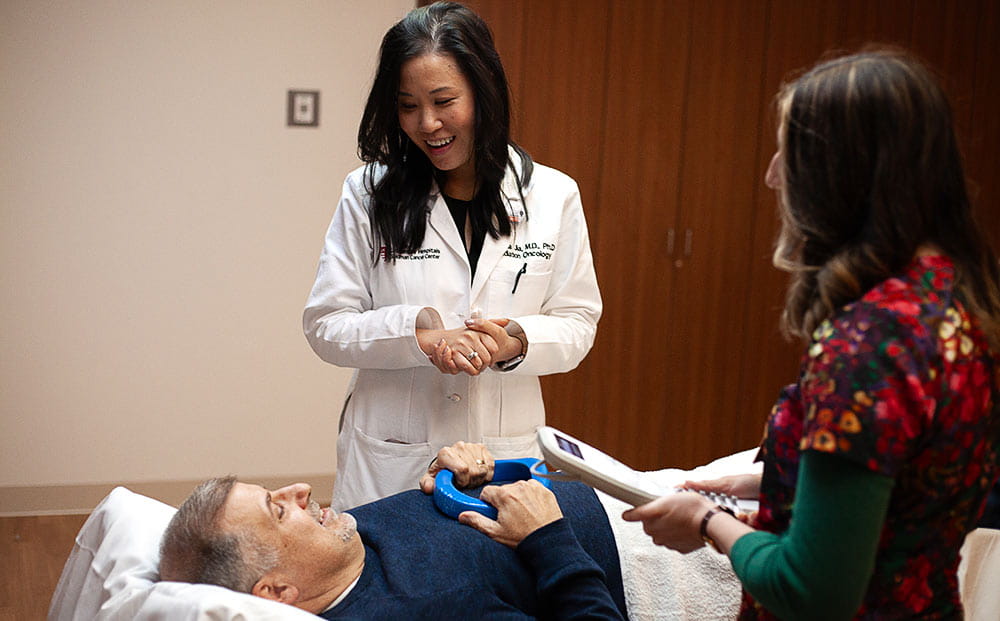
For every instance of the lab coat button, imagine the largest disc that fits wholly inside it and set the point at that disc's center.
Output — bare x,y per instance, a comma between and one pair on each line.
455,397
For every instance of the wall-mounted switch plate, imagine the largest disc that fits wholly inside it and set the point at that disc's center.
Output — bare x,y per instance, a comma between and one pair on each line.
303,108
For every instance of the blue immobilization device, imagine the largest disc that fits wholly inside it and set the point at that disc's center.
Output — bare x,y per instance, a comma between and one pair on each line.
451,501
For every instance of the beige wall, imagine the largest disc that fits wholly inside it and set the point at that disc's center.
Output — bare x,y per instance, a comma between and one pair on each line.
159,231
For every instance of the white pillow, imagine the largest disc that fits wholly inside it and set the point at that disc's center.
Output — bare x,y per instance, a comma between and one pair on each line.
112,572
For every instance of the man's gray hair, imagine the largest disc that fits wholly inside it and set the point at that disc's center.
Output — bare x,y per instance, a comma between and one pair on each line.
196,549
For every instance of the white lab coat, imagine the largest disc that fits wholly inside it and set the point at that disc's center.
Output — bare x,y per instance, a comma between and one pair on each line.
400,408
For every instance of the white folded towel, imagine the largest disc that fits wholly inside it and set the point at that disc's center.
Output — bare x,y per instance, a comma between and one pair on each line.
661,584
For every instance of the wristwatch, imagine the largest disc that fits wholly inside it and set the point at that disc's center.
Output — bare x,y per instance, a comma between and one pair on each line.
704,525
509,364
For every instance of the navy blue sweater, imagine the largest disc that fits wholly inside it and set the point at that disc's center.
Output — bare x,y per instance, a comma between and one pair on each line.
420,564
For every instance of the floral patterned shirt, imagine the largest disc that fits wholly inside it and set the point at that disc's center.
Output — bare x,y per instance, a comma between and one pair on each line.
903,383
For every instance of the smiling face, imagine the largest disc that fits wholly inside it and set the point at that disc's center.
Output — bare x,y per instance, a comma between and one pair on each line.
319,550
437,112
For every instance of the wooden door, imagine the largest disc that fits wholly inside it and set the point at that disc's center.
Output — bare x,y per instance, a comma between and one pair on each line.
662,111
717,188
559,77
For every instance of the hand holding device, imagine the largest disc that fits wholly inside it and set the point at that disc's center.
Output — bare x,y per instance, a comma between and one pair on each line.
577,460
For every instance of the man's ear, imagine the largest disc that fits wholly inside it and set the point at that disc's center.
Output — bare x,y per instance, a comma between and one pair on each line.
274,586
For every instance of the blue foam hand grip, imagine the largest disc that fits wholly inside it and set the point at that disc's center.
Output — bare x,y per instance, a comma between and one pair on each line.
451,501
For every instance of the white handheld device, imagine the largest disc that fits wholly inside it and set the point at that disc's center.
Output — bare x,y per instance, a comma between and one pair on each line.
578,460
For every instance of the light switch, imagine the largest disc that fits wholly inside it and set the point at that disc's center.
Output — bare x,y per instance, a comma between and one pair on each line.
303,108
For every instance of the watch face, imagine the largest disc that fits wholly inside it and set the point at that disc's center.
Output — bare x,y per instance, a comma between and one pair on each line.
507,365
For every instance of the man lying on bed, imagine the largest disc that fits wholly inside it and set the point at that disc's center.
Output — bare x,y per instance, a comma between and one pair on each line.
399,557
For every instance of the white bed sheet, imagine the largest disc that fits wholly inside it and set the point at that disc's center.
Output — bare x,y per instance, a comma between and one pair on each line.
665,585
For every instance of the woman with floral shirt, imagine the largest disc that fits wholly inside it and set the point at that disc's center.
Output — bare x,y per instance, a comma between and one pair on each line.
878,460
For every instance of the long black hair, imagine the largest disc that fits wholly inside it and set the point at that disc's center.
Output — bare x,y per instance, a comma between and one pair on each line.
399,207
872,172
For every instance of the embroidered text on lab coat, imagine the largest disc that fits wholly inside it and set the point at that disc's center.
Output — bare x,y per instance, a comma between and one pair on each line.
531,249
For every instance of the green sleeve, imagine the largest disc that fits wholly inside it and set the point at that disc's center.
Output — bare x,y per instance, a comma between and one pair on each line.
819,568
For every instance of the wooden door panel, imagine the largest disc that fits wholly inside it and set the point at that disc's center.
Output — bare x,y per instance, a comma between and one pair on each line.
970,73
564,78
662,111
716,196
631,367
940,36
982,148
506,21
862,22
800,33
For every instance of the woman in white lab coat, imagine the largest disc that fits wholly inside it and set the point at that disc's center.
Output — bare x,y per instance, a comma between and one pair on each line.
455,270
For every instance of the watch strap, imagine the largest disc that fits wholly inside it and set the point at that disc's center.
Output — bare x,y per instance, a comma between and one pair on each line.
703,530
508,365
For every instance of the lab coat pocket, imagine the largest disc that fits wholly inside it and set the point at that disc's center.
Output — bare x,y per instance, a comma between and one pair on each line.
518,293
513,447
392,449
373,468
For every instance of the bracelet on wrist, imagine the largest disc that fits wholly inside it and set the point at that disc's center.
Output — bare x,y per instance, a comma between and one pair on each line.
703,530
524,343
508,365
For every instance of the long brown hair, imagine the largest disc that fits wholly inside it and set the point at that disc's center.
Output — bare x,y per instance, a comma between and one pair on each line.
872,173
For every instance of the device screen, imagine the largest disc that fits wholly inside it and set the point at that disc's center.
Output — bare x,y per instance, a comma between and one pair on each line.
568,446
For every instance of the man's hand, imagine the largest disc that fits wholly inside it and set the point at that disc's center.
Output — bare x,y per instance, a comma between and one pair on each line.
471,464
523,507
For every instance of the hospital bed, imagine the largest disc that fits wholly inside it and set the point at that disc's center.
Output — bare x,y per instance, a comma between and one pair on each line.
111,573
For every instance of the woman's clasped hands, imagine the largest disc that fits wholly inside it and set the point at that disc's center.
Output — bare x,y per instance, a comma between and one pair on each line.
470,350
